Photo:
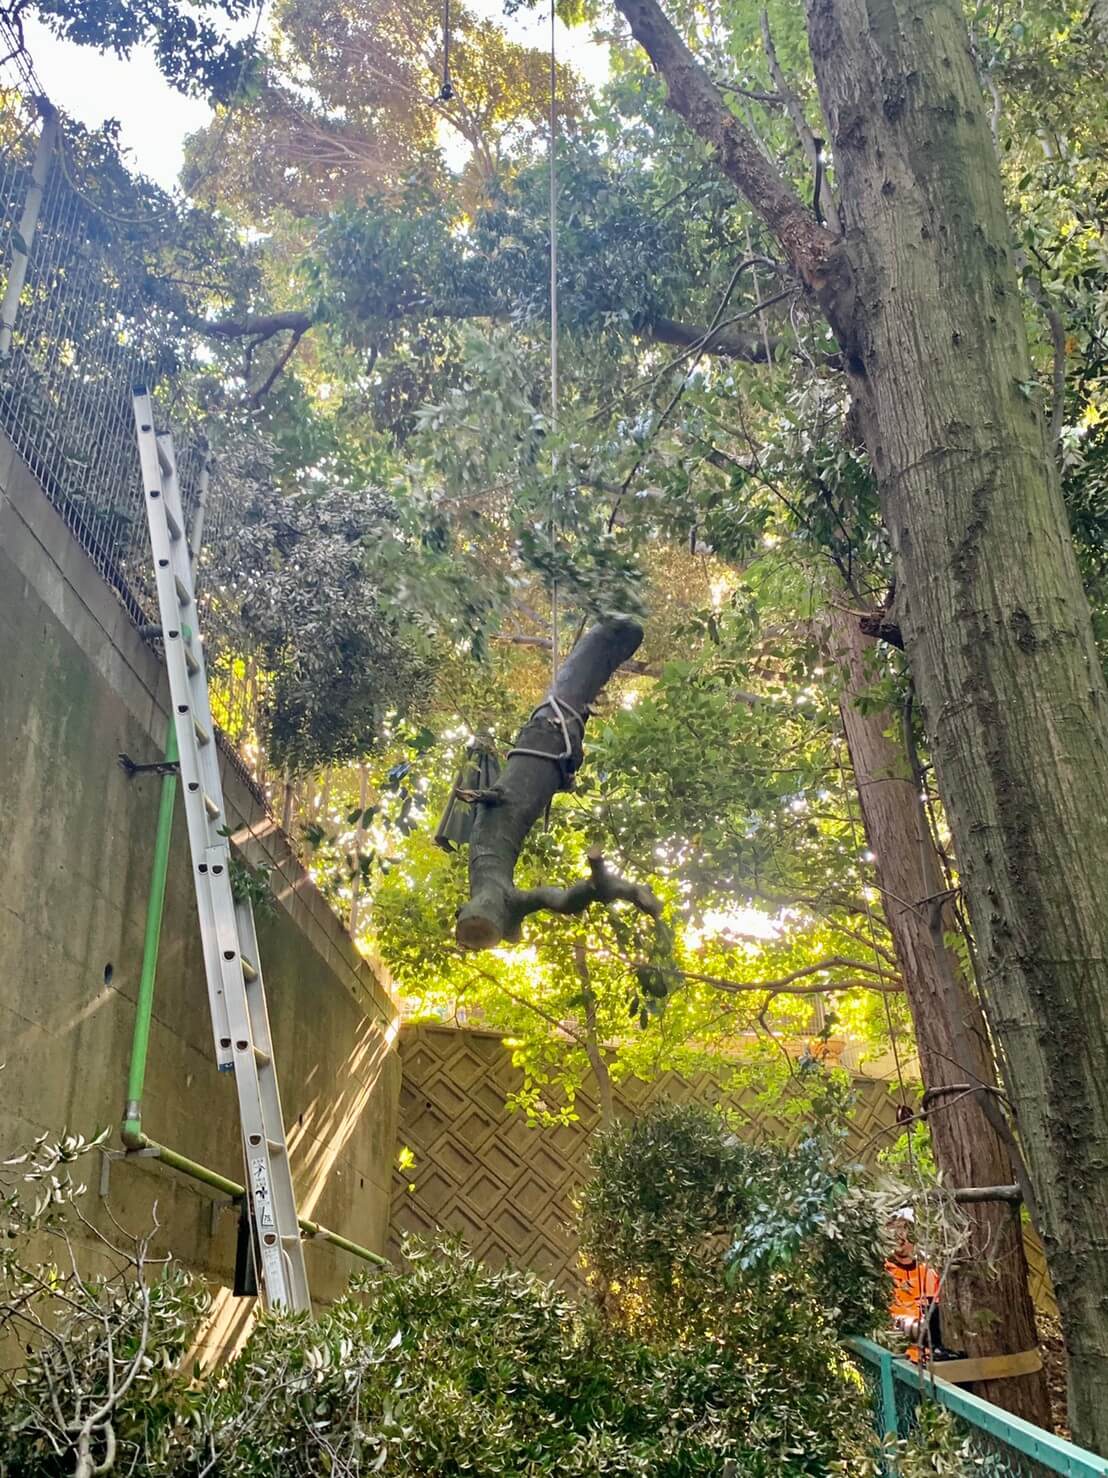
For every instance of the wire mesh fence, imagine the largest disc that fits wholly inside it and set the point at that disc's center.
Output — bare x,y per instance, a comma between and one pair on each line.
81,334
83,328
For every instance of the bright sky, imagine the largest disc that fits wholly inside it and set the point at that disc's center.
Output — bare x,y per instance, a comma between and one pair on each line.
155,119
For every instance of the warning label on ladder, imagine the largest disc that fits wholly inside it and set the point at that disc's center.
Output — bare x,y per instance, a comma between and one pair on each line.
263,1203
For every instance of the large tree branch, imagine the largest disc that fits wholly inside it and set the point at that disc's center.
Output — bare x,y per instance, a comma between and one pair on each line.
278,368
547,752
259,326
723,341
601,886
545,643
693,94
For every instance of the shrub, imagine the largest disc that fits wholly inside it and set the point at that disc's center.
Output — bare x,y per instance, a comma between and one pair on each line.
453,1368
101,1388
766,1254
681,1219
443,1368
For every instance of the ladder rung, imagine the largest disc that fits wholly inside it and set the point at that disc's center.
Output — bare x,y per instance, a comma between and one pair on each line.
275,1146
202,735
249,969
184,595
291,1237
212,807
191,662
260,1057
164,459
173,526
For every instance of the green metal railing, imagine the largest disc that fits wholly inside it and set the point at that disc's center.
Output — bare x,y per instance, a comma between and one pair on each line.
996,1444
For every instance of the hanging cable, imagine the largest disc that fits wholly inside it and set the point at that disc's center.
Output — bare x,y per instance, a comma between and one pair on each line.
553,172
446,91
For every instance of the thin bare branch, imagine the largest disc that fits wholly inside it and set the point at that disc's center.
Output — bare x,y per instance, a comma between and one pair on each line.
870,979
282,360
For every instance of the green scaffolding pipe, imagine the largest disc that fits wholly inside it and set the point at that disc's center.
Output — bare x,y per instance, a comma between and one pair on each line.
131,1132
155,908
143,1144
313,1230
236,1192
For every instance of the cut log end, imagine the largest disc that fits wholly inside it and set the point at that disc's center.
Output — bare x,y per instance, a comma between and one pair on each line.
476,931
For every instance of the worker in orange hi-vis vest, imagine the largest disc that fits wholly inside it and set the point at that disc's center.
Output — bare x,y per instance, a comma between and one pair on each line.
915,1300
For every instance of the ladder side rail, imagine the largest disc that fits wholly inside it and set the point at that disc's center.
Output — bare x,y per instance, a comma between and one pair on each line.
281,1183
253,1065
184,588
174,644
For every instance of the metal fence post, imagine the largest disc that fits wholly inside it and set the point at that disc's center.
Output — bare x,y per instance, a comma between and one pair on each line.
889,1425
21,239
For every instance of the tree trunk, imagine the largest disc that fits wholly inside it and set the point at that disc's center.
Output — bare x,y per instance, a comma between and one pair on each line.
987,1308
921,292
996,626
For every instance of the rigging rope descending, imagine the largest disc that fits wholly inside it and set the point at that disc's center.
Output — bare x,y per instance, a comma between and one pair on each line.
446,91
553,172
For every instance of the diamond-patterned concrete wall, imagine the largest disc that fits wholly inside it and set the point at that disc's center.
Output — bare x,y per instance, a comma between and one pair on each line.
505,1187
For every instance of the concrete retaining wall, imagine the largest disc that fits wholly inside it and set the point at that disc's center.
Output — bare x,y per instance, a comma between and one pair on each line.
77,687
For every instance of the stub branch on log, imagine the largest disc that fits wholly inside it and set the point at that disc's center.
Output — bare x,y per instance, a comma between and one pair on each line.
537,768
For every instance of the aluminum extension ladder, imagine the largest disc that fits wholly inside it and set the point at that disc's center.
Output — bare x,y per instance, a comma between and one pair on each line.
236,992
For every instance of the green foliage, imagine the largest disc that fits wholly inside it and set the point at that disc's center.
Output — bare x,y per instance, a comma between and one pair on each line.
940,1447
453,1368
298,588
663,1189
253,884
441,1368
912,1154
811,1218
670,1190
101,1386
190,46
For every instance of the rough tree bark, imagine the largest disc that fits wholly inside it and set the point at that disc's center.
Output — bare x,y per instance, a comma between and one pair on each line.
987,1308
537,768
921,291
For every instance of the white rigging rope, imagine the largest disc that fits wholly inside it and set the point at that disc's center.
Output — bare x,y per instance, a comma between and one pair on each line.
553,172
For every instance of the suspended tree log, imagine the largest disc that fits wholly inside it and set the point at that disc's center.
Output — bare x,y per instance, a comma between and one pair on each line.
547,752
